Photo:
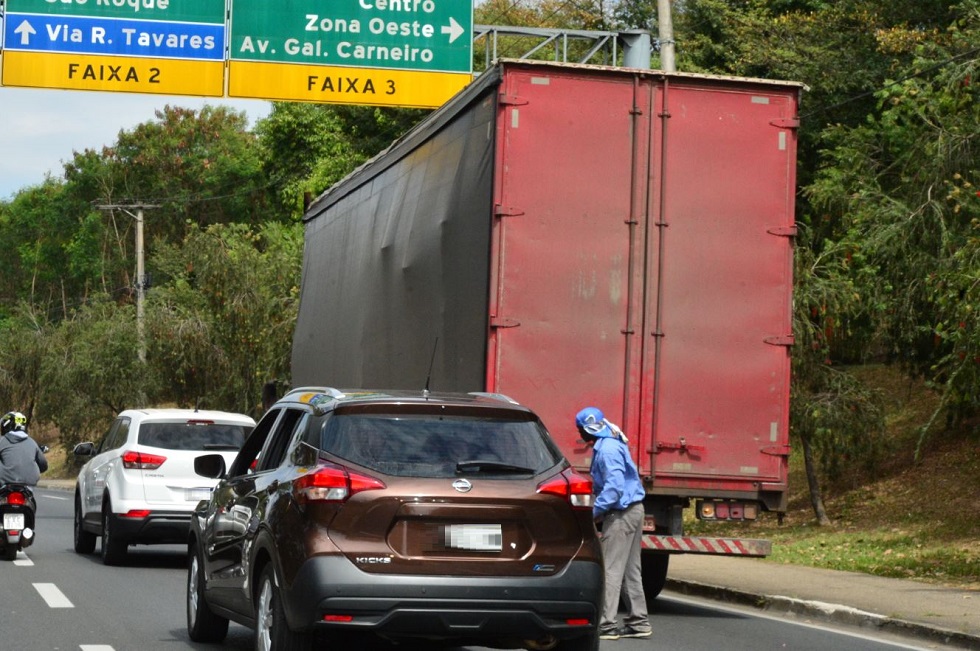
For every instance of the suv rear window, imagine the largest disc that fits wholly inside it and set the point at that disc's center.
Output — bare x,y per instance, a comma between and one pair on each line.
193,436
439,446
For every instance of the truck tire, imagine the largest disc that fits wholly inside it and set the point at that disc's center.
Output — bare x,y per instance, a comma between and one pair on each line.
588,642
654,572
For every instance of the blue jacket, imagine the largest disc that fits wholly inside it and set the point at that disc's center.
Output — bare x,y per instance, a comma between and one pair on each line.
616,480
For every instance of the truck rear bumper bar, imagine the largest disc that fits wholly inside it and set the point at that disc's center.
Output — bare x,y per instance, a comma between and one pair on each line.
715,546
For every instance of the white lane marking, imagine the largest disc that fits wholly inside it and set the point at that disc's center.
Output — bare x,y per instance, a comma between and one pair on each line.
830,626
96,647
54,497
54,597
23,559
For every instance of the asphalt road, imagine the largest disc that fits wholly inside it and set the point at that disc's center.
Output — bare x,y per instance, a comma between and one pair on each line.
53,599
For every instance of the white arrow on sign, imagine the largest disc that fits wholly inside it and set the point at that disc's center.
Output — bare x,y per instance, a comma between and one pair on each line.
26,30
454,29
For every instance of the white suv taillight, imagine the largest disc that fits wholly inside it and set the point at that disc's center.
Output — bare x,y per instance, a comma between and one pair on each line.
332,483
576,488
141,460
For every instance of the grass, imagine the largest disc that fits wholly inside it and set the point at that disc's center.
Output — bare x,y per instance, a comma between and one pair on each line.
907,519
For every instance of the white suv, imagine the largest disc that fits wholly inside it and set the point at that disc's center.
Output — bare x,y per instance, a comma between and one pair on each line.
139,485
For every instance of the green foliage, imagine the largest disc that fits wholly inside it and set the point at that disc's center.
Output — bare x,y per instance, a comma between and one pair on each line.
901,188
221,325
90,370
838,421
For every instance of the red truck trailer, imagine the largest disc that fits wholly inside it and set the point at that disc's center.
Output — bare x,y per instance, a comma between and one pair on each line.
574,235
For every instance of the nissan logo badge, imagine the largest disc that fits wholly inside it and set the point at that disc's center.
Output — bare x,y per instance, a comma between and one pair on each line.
462,485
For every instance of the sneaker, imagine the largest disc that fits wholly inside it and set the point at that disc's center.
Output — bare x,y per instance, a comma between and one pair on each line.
610,634
629,631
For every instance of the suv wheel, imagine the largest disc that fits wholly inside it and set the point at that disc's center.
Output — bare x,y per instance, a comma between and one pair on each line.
202,624
113,547
272,633
84,540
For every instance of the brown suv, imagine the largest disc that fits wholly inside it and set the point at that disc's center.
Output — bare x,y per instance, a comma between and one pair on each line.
401,515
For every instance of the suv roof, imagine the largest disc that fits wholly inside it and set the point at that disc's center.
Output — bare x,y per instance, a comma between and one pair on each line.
325,399
183,414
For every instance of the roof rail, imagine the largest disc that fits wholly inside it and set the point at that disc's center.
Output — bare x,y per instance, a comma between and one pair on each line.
494,396
330,391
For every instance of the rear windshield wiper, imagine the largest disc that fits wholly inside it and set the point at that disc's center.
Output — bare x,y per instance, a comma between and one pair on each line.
491,466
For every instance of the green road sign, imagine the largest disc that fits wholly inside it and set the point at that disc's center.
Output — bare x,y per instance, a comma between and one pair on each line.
429,35
180,11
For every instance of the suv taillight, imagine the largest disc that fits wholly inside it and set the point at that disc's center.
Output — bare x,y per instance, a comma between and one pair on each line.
333,483
576,488
141,460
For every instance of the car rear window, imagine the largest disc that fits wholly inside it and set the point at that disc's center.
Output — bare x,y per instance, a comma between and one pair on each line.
445,446
193,436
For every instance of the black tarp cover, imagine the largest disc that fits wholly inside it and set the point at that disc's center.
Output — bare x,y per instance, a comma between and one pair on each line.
396,261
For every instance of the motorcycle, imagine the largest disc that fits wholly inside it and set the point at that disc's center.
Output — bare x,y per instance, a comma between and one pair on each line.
17,509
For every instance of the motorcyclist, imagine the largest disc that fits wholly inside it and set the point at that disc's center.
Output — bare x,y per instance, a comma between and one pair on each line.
21,459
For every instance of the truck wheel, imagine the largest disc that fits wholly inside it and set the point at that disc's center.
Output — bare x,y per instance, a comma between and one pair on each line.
113,547
588,642
84,540
202,624
272,633
654,573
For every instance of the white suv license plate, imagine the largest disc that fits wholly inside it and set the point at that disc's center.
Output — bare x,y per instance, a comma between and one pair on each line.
197,494
13,521
474,537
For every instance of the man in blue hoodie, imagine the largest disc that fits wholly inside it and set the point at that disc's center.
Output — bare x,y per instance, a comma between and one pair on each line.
618,506
21,459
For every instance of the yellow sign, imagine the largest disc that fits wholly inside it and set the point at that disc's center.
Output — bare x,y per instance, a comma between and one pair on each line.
113,73
341,85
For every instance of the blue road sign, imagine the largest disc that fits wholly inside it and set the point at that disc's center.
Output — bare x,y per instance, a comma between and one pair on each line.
119,37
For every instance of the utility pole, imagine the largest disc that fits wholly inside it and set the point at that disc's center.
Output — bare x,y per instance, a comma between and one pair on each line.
666,36
140,270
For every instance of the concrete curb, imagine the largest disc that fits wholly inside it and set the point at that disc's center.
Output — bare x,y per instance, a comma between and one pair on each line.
828,612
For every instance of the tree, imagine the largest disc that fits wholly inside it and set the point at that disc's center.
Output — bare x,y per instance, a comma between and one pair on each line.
91,371
221,324
838,422
903,185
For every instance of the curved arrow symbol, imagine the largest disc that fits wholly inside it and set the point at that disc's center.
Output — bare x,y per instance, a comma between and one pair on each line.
26,30
454,29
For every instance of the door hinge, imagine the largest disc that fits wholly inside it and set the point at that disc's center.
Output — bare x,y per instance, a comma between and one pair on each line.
786,123
777,450
503,322
780,340
509,99
783,231
506,211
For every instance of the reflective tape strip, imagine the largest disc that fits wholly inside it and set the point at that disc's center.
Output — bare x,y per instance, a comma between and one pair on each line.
717,546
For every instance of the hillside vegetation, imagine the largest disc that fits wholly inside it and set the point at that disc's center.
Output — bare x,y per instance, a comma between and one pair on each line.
904,519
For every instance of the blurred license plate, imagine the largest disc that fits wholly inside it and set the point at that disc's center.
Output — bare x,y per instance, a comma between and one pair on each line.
198,494
14,521
474,537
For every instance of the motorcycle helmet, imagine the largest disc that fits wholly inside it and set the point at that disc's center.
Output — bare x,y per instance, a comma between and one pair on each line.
13,421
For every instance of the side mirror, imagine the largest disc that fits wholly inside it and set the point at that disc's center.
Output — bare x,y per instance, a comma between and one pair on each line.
211,466
86,449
